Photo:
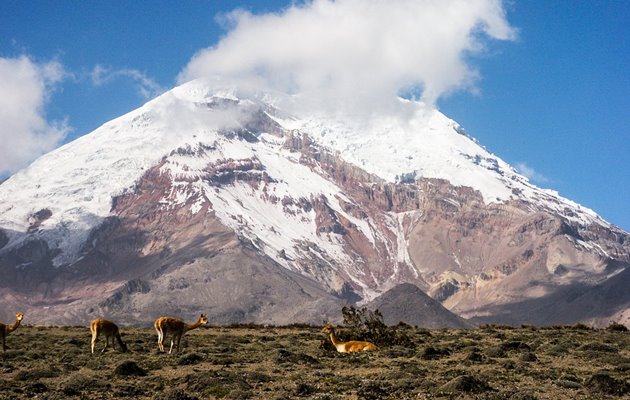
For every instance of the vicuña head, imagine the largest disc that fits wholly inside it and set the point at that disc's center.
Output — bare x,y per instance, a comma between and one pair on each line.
165,326
110,330
347,347
6,329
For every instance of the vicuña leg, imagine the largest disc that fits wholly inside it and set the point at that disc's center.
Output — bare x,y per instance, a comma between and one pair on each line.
160,333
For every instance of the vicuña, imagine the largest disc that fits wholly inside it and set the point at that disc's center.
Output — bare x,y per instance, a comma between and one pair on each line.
165,326
347,347
110,330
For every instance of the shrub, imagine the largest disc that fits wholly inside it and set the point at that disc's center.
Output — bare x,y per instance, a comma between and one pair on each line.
529,327
623,366
190,359
495,352
285,356
129,368
528,357
35,374
604,383
616,327
371,391
561,348
174,394
36,388
129,390
475,356
568,384
432,353
598,347
81,383
304,389
465,383
522,396
515,345
368,325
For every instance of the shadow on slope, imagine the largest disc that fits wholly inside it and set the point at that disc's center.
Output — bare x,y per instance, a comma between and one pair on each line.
565,305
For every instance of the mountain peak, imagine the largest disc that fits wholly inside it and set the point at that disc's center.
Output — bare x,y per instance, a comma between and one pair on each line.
354,204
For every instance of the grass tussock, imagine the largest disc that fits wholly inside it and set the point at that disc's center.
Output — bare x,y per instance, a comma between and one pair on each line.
268,363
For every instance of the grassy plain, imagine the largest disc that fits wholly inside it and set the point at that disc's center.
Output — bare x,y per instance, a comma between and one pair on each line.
256,362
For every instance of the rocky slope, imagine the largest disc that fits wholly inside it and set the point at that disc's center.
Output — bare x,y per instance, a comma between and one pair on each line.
236,204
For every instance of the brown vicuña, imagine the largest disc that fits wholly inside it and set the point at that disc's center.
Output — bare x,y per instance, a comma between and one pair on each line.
347,347
176,328
6,329
110,330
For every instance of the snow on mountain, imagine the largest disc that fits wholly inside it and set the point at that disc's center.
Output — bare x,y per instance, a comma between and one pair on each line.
260,214
77,181
428,144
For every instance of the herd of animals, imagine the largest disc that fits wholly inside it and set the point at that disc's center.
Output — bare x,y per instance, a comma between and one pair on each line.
175,328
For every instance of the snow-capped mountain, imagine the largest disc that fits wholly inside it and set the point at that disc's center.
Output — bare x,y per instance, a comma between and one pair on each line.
252,208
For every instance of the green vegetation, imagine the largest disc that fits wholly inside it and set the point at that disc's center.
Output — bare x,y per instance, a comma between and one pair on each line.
262,362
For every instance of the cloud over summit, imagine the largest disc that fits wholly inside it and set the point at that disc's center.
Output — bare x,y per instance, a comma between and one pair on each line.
356,50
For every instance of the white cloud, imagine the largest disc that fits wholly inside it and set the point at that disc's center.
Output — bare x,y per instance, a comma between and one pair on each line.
356,52
147,87
530,173
25,133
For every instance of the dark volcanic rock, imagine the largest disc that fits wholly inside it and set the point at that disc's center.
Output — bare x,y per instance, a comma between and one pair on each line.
407,303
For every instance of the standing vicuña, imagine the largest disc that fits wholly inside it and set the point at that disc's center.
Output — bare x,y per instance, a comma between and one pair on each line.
6,329
110,330
347,347
165,326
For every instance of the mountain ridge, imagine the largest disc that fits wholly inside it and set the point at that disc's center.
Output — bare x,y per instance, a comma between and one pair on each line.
316,197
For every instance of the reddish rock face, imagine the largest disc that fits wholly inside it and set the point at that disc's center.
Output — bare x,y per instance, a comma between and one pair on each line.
476,258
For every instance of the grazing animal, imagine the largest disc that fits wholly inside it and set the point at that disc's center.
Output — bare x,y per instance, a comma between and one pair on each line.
165,326
110,330
347,347
6,329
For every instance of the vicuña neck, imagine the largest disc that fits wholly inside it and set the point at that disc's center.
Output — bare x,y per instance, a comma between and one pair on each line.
188,327
333,338
13,327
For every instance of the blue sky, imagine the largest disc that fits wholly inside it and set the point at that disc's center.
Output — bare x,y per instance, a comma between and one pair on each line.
553,101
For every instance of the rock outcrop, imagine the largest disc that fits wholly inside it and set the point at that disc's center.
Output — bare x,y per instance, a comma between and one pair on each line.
407,303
